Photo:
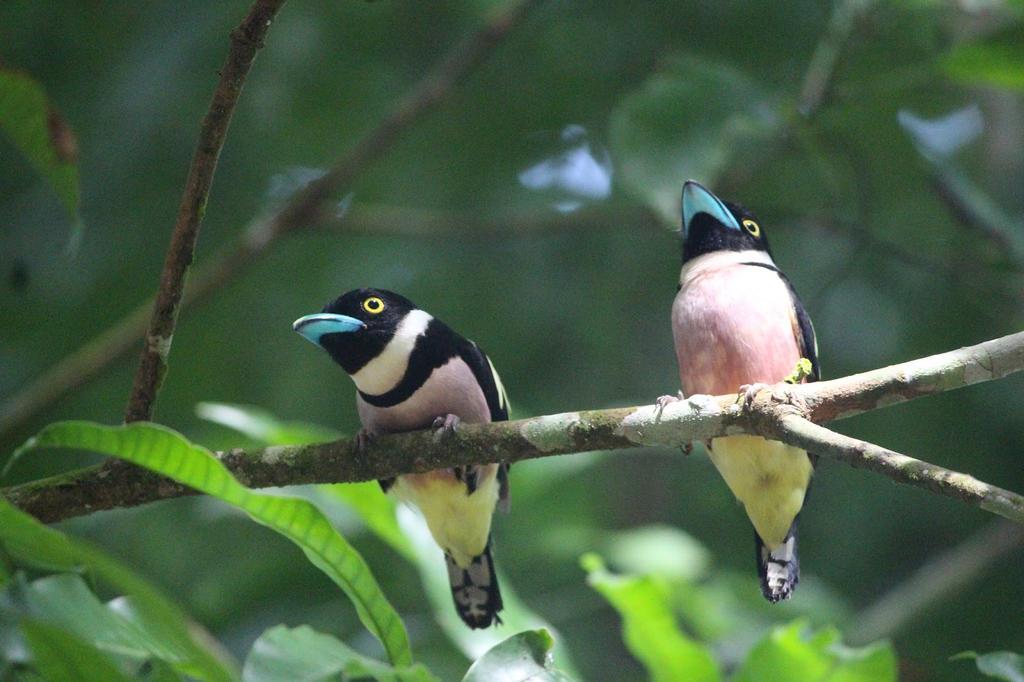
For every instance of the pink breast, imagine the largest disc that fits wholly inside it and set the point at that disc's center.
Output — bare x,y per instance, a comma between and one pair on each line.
733,326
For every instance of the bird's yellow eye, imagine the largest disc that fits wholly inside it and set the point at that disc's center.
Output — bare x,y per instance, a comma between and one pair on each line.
373,305
753,228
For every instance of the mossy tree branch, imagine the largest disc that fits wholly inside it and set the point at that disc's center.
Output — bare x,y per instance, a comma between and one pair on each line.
783,412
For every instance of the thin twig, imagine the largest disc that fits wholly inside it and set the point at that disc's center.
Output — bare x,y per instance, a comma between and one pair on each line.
795,430
826,54
85,364
941,577
246,41
779,412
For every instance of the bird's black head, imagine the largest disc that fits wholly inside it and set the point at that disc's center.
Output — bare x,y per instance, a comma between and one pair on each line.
710,224
355,327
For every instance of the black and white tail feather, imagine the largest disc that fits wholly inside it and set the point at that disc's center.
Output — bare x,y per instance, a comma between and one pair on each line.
475,590
779,570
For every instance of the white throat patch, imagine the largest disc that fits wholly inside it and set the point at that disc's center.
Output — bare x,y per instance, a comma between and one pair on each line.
382,373
720,259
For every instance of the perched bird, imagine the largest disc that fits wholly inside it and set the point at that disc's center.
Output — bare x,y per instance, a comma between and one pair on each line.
738,323
413,372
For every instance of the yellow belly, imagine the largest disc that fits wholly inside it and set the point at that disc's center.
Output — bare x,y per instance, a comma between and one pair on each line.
459,523
768,477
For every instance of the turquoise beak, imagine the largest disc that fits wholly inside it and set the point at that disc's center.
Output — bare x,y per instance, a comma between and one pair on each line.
697,199
313,327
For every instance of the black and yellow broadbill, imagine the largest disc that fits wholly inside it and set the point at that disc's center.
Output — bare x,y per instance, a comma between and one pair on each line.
737,322
412,372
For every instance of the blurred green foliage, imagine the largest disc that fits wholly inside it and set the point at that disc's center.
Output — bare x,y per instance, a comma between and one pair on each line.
895,256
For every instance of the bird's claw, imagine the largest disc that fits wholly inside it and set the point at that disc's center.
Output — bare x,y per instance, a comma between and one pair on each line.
748,392
664,400
447,424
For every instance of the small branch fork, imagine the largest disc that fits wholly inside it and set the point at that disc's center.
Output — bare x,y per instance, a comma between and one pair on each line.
246,40
90,360
783,412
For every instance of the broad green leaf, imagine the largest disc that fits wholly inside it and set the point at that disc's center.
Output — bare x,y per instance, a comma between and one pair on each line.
283,654
690,120
187,646
790,652
169,453
60,655
649,627
66,601
525,657
997,59
784,654
376,510
1001,665
38,131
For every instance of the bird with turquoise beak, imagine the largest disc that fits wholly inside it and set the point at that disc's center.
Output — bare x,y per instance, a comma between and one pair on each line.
411,372
738,324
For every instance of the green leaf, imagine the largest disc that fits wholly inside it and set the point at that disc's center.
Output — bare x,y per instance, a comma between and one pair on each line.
790,652
1001,665
688,121
66,601
784,652
377,511
649,627
169,453
520,658
873,662
997,59
59,655
185,644
38,131
283,654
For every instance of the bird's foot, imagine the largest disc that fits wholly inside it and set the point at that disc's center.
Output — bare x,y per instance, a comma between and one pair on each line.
749,391
445,425
363,439
664,400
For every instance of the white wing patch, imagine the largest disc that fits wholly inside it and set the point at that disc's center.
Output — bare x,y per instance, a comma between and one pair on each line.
502,396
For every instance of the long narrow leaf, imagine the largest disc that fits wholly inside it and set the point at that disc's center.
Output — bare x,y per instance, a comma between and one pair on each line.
376,511
169,453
